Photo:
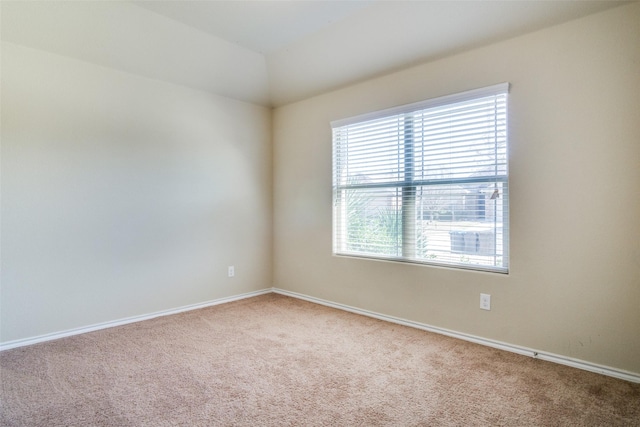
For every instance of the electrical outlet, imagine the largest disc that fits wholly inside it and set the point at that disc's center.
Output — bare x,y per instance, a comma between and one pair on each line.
485,301
232,271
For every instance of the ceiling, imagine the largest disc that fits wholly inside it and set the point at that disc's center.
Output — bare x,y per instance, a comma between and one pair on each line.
274,52
261,26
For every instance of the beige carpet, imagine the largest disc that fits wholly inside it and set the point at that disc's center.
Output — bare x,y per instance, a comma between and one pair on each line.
277,361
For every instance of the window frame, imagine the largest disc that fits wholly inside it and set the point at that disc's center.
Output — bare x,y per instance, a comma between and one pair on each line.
408,185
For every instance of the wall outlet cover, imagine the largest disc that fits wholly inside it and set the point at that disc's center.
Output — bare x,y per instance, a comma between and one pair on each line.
485,301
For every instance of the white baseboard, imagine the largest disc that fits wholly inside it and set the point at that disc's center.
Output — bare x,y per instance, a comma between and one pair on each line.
76,331
550,357
562,360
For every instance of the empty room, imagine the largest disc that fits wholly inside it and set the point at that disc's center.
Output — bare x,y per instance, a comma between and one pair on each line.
323,213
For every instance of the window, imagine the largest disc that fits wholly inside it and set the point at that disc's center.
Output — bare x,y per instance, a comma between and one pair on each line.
425,182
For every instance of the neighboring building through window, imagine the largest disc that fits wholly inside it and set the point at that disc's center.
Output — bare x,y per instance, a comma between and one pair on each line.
425,182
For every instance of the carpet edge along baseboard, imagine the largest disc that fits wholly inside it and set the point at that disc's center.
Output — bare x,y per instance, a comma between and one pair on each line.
550,357
133,319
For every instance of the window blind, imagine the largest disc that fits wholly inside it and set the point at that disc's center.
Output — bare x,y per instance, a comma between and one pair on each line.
425,182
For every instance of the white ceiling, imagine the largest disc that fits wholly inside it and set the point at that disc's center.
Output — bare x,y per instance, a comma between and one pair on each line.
273,52
261,26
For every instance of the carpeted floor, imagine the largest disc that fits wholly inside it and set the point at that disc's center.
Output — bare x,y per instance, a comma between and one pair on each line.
277,361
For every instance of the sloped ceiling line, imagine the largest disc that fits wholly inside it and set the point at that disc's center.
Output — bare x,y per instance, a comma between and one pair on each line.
272,52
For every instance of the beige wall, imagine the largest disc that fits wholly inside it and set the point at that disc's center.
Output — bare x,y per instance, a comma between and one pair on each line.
123,196
574,282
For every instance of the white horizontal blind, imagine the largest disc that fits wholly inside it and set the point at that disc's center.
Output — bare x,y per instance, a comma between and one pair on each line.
426,182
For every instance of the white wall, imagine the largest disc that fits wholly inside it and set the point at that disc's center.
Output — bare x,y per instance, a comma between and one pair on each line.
124,196
574,282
